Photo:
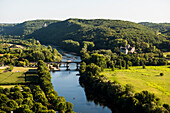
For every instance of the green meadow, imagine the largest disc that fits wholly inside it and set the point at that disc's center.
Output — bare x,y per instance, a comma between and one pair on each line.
17,77
144,79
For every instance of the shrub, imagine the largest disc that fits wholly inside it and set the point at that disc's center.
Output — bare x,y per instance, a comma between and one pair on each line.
113,68
11,68
161,74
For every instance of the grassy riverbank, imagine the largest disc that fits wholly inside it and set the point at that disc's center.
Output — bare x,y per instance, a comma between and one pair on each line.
144,79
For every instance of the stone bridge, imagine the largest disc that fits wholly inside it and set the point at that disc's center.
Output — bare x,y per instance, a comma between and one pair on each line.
65,63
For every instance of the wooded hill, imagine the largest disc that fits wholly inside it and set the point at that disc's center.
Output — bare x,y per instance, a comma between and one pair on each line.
24,28
101,33
163,28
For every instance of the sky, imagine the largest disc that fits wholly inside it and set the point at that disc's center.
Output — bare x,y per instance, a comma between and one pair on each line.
17,11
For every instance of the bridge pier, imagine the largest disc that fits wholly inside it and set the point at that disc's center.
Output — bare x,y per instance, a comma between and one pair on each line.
77,65
58,65
67,66
48,65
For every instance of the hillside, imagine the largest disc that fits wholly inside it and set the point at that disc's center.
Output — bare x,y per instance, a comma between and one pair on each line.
101,33
5,26
24,28
164,28
105,34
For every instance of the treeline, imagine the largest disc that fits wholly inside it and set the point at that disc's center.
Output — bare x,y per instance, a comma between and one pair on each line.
108,59
30,51
105,34
112,93
56,102
24,100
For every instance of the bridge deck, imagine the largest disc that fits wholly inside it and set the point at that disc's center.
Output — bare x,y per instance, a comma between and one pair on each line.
59,62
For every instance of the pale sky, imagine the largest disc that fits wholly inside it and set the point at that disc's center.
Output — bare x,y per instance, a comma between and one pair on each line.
16,11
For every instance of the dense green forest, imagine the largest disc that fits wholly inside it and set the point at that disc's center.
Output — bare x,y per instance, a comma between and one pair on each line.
104,34
163,28
24,28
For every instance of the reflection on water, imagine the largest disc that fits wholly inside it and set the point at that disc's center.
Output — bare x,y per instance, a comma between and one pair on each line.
66,83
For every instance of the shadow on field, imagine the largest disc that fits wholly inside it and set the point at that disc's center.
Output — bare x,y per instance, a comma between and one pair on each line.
157,76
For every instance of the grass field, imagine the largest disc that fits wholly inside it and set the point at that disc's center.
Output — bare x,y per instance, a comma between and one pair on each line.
12,77
17,77
21,69
144,79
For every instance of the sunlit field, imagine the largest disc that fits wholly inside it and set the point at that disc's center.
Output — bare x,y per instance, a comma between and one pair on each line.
21,69
144,79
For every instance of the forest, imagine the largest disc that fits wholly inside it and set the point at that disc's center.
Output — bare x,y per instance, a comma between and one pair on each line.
105,34
24,28
163,28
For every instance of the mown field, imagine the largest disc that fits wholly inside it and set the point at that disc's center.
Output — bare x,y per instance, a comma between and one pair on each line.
21,69
17,76
12,77
144,79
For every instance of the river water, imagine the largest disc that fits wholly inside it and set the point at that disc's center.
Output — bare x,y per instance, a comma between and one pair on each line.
66,83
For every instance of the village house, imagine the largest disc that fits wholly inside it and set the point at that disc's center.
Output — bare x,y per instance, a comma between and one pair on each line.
127,49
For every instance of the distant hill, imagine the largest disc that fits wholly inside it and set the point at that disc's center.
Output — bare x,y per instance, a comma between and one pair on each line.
4,26
25,28
164,28
105,34
71,34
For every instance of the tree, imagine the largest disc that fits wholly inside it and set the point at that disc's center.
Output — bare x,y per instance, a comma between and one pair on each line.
113,68
12,104
37,55
127,66
82,68
69,106
98,59
18,95
50,48
124,63
21,63
3,98
28,102
93,70
26,62
120,64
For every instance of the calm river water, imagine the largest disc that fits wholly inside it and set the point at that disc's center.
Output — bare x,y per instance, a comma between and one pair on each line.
66,83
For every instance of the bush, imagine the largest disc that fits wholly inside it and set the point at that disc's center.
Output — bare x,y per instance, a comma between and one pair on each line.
161,74
113,68
11,68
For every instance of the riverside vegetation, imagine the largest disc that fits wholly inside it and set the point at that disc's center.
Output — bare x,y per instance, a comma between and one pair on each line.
38,99
112,92
29,97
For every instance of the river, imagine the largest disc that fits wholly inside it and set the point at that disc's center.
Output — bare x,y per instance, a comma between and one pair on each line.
66,83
